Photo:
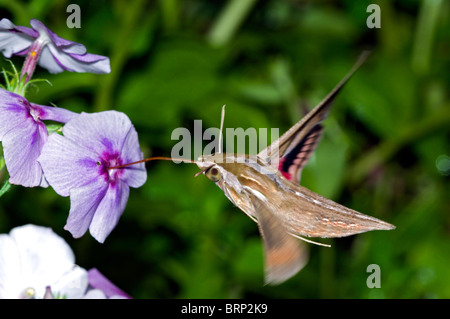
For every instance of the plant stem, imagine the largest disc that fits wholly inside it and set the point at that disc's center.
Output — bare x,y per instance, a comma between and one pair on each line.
229,21
425,29
120,51
5,188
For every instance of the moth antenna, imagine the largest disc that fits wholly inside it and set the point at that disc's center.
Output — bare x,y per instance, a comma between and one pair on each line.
222,118
310,241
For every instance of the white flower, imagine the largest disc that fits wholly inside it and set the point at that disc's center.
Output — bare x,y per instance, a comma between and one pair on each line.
33,258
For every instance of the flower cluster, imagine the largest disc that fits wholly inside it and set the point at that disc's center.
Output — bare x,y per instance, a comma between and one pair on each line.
78,160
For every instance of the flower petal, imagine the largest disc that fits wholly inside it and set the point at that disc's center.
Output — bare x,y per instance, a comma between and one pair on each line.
47,61
73,284
67,165
88,62
6,24
134,175
44,257
22,138
14,39
55,255
109,211
94,294
98,281
9,268
99,132
55,113
12,111
58,41
84,203
22,147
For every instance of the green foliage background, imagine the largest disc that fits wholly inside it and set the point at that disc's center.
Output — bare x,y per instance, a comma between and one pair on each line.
385,150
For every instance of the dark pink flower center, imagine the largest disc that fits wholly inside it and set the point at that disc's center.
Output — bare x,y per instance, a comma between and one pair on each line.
107,160
35,112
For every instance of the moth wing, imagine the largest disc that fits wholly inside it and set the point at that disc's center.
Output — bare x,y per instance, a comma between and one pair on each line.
288,153
309,214
284,254
292,163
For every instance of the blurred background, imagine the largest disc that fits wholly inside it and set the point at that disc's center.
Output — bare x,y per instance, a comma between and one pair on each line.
385,151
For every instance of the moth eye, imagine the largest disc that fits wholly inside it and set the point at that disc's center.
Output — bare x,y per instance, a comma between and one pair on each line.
213,174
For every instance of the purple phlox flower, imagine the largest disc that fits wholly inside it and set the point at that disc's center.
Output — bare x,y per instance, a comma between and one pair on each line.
50,51
23,134
76,165
101,287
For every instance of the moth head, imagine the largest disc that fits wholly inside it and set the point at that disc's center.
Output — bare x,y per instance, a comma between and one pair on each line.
209,166
223,174
213,173
217,167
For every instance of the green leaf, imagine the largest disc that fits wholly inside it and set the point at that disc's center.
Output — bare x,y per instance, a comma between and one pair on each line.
2,162
6,187
54,128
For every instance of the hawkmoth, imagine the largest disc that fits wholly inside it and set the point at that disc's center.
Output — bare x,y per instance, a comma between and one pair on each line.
266,188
